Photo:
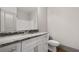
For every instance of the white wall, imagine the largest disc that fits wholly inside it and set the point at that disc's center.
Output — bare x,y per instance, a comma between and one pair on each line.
42,19
63,25
0,20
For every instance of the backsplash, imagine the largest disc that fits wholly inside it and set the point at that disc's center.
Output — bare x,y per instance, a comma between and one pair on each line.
18,32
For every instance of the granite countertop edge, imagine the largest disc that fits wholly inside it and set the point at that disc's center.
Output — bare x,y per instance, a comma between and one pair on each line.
14,38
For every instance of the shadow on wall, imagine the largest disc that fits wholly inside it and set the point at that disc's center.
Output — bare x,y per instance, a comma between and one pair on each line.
50,38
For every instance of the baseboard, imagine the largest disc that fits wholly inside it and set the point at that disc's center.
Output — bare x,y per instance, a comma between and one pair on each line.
64,48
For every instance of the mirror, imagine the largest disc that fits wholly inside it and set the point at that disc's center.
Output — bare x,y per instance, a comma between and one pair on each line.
16,19
27,18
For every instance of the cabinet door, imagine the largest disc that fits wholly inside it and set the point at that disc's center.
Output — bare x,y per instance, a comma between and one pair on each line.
28,48
43,47
37,44
43,44
16,47
30,45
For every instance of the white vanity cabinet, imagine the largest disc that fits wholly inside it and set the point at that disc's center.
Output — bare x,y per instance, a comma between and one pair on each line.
36,44
16,47
32,44
43,46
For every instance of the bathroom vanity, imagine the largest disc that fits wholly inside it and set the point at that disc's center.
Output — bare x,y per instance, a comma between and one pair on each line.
13,20
36,42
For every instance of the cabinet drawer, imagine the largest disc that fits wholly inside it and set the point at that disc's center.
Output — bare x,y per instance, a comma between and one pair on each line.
16,47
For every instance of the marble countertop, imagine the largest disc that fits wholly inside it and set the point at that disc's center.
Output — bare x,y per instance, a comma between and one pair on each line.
13,38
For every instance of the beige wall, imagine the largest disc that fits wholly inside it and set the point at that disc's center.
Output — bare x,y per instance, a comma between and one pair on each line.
63,25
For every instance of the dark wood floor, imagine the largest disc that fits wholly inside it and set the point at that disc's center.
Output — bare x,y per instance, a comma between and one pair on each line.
60,50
